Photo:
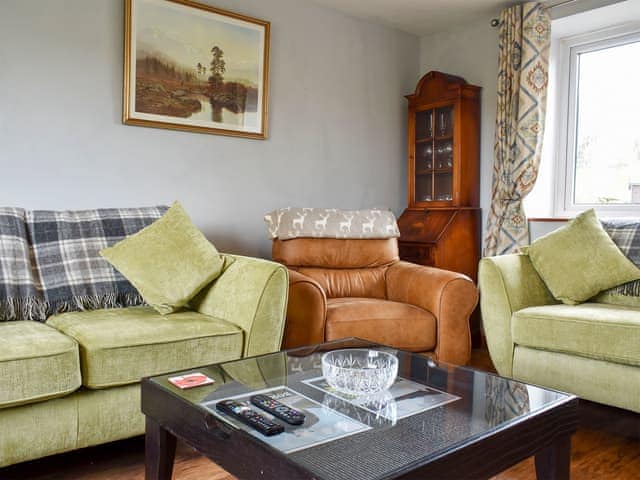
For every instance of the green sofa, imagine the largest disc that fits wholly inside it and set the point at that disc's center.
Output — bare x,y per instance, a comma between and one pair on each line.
591,349
73,381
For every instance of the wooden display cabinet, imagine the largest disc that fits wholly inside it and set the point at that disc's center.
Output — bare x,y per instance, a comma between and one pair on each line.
441,225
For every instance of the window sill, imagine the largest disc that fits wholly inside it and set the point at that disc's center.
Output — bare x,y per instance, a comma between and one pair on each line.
548,219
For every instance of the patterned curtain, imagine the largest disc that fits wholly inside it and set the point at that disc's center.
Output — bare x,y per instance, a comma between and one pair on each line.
505,399
525,34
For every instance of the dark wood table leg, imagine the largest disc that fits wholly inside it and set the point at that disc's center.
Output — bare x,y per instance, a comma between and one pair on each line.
552,463
160,450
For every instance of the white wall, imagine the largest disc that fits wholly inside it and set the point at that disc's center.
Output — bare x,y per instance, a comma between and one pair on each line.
337,120
470,51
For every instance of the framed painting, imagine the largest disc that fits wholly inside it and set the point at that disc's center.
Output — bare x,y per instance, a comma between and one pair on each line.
190,66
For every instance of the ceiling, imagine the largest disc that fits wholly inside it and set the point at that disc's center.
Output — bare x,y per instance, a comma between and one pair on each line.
419,17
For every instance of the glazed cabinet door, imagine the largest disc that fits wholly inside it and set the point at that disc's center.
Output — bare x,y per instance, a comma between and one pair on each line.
433,157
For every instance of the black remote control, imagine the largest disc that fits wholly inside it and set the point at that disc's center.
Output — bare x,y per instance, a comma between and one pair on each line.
277,409
249,416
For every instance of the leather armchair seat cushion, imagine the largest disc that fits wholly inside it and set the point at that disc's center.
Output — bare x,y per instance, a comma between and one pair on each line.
119,346
383,321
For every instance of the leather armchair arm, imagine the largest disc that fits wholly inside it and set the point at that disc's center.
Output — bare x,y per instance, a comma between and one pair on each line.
451,297
306,312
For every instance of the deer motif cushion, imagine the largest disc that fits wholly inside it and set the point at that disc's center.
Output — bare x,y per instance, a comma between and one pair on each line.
291,222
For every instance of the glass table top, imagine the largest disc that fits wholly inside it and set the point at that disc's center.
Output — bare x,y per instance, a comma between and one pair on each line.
431,408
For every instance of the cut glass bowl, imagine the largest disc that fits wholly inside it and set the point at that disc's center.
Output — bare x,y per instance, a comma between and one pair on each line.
359,371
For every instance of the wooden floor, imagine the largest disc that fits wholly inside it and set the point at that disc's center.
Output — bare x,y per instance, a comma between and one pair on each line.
606,447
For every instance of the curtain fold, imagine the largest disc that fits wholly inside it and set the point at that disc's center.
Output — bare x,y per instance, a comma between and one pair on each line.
525,37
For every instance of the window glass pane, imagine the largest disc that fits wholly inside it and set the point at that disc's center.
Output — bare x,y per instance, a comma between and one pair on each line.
607,149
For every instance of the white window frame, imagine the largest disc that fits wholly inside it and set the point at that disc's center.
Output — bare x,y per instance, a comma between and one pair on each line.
569,49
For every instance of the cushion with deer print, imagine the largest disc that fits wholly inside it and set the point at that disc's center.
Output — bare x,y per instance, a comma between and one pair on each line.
294,222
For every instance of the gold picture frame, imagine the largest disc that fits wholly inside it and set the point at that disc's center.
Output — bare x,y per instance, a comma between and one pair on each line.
194,67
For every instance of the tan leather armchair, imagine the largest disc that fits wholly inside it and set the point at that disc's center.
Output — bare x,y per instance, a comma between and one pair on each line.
351,287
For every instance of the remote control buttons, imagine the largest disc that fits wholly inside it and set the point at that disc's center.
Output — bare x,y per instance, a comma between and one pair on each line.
278,410
249,417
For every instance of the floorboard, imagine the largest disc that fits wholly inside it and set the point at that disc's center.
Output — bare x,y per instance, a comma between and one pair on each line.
606,447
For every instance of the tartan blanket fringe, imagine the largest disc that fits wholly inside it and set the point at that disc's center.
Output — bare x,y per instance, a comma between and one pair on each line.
22,308
631,289
93,302
34,307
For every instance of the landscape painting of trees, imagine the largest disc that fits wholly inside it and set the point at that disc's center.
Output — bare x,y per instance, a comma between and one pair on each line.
190,66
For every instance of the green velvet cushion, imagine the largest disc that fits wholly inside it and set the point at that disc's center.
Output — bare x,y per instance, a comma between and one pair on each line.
121,345
594,330
169,261
36,363
579,260
596,380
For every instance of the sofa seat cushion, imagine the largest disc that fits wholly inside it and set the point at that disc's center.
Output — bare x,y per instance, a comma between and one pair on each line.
391,323
36,363
593,330
120,346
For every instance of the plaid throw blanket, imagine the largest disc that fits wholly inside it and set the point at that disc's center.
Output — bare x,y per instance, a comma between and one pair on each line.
625,233
17,286
66,271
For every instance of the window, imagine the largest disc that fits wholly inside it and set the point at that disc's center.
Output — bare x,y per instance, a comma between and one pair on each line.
599,141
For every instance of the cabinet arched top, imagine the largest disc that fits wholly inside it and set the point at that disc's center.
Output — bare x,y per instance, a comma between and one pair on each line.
440,86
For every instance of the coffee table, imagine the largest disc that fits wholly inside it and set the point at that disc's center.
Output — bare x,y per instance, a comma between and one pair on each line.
437,421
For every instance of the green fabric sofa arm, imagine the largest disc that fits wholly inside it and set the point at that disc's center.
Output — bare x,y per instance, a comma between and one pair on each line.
252,294
507,283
